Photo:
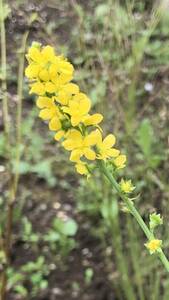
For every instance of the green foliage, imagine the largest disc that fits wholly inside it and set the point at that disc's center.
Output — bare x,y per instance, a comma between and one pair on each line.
89,273
61,235
148,143
35,272
27,232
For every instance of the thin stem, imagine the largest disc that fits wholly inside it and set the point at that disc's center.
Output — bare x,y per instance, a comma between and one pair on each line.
4,78
14,185
132,210
19,108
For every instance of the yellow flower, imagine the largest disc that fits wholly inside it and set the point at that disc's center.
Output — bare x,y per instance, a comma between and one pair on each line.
37,88
120,161
105,146
78,108
60,71
126,186
66,93
80,145
41,89
38,62
154,245
41,57
49,111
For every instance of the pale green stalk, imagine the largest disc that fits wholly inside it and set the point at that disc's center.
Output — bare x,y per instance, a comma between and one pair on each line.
129,204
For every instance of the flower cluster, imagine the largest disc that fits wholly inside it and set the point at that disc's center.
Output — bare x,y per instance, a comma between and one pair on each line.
67,110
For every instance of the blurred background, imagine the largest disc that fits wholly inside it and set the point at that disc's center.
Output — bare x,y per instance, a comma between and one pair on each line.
72,238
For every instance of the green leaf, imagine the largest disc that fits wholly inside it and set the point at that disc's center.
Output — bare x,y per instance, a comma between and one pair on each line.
70,227
21,290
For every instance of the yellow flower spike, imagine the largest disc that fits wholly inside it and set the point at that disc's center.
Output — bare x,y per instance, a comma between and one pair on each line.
126,186
154,245
78,108
120,161
92,119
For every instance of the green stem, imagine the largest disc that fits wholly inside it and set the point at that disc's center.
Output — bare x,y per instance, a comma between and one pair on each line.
132,210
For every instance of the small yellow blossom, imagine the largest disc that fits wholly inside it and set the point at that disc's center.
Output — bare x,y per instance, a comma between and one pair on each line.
80,145
105,146
60,71
154,245
78,108
126,186
66,93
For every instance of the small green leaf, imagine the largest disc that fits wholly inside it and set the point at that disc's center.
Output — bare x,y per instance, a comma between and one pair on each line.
70,227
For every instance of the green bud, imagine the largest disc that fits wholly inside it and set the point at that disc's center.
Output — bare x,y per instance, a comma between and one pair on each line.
36,45
155,220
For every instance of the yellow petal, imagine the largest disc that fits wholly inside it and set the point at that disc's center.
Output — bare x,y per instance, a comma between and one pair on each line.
113,152
92,138
32,71
37,88
84,106
46,114
75,155
71,88
55,124
44,102
93,119
48,53
50,87
89,154
44,75
109,141
59,135
34,54
75,120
